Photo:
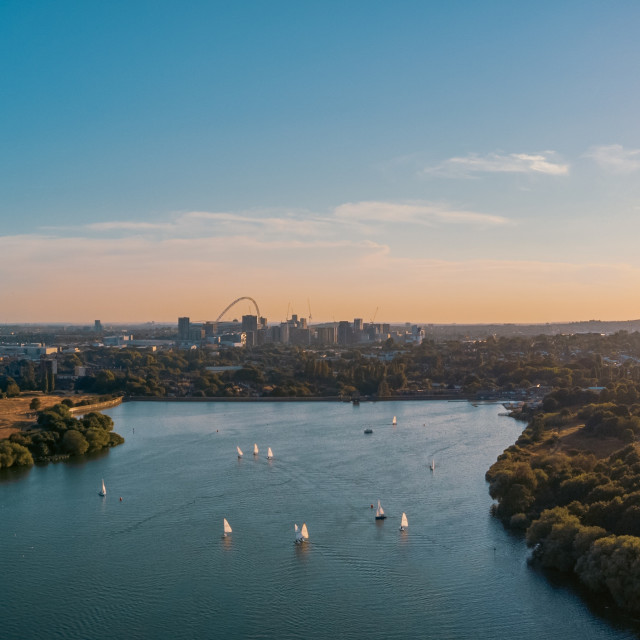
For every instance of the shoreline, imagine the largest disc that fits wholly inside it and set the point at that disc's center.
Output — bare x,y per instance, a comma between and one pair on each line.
449,397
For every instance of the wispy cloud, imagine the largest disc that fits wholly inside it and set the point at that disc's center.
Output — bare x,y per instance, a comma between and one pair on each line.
372,212
291,226
524,163
615,158
129,226
298,223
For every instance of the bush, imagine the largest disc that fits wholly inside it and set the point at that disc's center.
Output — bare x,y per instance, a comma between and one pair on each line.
74,443
14,454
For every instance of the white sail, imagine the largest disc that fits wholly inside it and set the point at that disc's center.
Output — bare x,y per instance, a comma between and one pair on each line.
239,452
433,465
394,421
404,522
304,533
379,510
269,453
103,492
227,526
255,449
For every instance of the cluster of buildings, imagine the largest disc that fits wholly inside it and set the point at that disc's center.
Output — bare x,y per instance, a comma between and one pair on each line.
254,331
251,331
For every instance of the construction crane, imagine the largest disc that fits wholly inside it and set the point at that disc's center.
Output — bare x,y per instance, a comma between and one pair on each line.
375,313
310,316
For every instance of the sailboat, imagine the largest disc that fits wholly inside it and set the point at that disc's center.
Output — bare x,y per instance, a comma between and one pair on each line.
432,466
255,449
239,452
298,534
304,534
103,491
380,512
226,527
394,422
269,453
404,523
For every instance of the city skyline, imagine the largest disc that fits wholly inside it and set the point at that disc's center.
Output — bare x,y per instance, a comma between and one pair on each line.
461,163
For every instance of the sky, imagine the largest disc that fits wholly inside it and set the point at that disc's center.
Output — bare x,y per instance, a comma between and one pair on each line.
418,161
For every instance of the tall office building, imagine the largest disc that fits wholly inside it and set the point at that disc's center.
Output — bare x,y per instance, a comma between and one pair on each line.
345,332
183,328
250,323
327,335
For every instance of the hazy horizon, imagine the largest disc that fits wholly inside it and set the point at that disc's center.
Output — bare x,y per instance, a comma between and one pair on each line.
234,318
464,162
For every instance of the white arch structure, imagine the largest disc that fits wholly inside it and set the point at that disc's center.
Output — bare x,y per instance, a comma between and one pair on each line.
255,304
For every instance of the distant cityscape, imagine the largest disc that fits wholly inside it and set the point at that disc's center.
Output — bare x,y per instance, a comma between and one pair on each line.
34,341
254,331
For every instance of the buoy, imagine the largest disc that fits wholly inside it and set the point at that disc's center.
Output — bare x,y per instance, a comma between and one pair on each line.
120,498
372,506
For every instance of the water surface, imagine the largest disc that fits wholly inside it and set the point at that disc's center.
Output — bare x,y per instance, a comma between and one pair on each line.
155,565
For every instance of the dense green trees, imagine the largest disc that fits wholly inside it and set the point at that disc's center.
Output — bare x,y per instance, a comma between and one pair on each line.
567,363
58,434
581,512
8,387
14,454
612,564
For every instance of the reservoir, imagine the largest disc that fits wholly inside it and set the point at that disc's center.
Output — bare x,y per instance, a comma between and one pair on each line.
155,565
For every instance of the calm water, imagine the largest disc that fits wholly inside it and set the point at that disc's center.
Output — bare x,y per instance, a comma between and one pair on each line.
75,565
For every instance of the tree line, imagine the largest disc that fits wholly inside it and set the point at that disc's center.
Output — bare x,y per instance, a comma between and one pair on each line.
580,508
58,435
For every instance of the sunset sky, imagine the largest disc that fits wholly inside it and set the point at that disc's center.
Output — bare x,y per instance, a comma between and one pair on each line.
441,162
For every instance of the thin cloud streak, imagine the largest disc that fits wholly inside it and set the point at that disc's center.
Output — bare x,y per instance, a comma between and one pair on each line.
415,213
614,158
128,226
522,163
363,215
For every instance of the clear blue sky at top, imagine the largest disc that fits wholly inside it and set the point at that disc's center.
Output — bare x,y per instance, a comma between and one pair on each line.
130,110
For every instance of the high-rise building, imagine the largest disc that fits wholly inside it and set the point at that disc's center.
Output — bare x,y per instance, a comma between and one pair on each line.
250,323
345,332
183,328
299,336
284,332
357,324
97,326
327,335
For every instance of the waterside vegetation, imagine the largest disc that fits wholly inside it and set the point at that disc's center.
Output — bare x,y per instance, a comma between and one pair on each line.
58,435
572,483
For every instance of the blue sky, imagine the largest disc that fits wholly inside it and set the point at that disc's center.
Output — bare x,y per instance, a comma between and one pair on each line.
427,158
